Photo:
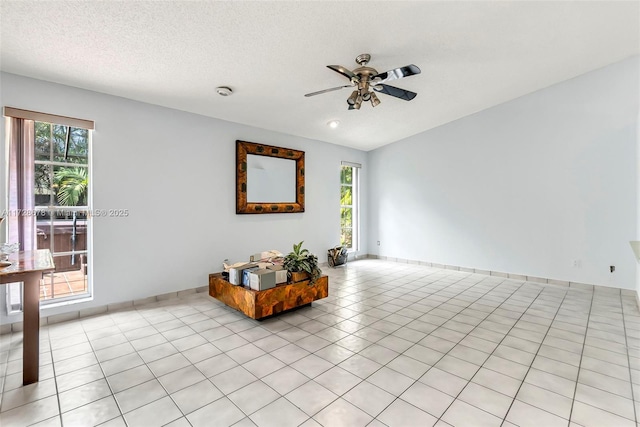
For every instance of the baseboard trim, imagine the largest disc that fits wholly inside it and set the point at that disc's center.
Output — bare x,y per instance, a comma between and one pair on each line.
514,276
110,308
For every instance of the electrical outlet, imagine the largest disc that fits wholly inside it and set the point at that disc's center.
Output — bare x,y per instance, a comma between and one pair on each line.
378,242
612,268
577,263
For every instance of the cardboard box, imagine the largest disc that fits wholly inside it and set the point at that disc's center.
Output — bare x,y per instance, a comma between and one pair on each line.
235,273
262,279
266,255
281,273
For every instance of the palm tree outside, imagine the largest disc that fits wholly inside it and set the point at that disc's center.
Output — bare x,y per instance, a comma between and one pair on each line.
72,184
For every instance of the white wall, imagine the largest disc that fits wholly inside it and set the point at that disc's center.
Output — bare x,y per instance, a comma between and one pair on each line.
175,173
526,187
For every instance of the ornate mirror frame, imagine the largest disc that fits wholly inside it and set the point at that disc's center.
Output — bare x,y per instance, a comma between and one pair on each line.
242,206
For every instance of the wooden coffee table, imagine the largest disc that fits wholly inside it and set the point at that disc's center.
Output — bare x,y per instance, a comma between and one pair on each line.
260,304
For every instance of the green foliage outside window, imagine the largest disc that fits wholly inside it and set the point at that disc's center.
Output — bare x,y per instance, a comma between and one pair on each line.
56,184
346,175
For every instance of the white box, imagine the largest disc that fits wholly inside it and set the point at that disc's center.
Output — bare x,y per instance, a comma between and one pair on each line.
259,280
246,279
281,273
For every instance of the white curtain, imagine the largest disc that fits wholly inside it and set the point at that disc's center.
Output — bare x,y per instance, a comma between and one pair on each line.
21,210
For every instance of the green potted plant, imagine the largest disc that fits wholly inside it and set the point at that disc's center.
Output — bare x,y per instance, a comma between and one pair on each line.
301,261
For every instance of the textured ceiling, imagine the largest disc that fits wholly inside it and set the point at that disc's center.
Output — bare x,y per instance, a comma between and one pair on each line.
473,55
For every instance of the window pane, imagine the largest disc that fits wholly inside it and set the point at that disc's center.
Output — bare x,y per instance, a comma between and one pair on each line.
58,138
73,150
43,185
346,175
70,145
346,239
42,140
345,196
346,217
68,235
71,185
65,283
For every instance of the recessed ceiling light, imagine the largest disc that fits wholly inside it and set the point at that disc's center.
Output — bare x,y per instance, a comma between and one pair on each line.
224,91
333,124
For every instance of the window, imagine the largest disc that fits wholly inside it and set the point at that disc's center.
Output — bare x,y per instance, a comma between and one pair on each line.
49,196
61,190
349,205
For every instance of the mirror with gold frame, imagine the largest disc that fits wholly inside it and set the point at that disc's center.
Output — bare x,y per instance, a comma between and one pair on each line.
268,179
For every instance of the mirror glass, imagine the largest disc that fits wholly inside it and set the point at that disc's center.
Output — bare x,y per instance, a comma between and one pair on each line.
270,179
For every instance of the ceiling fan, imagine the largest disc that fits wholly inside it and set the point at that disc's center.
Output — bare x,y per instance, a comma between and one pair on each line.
364,79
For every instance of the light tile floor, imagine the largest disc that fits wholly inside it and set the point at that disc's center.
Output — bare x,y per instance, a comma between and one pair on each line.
393,344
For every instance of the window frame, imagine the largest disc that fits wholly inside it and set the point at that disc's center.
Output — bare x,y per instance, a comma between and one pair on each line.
51,209
71,122
355,205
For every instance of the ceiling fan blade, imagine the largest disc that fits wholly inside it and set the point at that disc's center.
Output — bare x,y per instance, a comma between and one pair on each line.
407,95
398,73
326,90
340,69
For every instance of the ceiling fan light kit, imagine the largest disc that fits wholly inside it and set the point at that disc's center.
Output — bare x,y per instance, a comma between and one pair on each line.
358,102
374,100
352,98
367,80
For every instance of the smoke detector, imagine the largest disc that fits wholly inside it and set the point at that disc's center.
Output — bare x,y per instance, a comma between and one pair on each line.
224,91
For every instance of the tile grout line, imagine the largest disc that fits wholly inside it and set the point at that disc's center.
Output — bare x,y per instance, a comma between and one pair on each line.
440,326
93,350
384,365
104,376
624,326
584,343
467,334
457,343
533,360
224,395
490,354
597,387
156,378
55,377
